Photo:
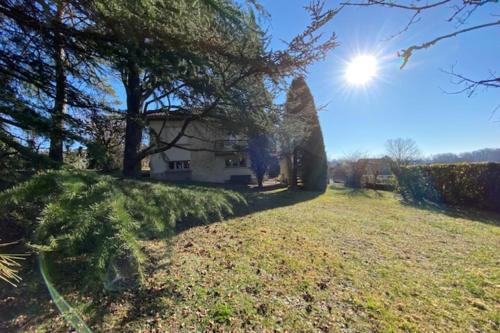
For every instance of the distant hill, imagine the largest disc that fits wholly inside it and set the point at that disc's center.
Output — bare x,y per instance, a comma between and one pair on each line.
482,155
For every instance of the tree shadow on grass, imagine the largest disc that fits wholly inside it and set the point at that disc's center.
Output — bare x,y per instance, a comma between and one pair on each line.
142,300
264,200
145,300
257,200
472,214
359,192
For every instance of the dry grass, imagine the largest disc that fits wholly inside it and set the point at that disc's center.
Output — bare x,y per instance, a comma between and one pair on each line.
340,262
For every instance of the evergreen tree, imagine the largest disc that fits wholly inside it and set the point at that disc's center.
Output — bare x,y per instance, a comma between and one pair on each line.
209,57
49,72
308,157
292,132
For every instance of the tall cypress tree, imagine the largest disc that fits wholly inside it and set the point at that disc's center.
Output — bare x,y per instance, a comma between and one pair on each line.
309,160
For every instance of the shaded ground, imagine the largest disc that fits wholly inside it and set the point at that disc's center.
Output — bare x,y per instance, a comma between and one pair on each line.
340,262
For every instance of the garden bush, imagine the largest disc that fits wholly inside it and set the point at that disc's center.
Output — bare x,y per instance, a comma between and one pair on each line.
379,186
462,184
100,219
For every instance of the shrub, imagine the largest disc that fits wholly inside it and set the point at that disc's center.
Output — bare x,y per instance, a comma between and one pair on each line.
354,168
380,186
101,219
463,184
416,186
104,158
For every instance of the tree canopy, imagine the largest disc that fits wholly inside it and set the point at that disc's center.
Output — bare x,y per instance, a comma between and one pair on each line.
205,59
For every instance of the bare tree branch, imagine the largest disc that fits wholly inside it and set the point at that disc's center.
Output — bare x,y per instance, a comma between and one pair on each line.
393,4
459,14
407,53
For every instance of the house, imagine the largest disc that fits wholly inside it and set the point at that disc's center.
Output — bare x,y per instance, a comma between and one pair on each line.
284,170
371,170
378,170
205,153
336,172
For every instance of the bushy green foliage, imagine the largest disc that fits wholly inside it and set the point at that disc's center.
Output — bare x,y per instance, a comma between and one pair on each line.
103,158
15,167
464,184
380,187
416,186
101,219
314,162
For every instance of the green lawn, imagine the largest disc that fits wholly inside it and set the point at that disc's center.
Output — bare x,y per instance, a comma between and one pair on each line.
343,261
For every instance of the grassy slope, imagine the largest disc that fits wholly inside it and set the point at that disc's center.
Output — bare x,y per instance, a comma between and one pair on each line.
339,262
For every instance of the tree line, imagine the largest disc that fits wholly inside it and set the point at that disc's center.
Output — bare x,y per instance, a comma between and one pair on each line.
480,155
399,154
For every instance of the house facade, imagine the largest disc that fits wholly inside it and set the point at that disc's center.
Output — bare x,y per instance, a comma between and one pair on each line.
378,170
205,153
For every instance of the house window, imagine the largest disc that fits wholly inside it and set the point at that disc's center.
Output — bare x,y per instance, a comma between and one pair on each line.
237,161
179,165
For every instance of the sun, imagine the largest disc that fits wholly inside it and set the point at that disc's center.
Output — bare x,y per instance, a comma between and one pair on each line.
361,70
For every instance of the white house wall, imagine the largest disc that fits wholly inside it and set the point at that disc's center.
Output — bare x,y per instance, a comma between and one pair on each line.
206,166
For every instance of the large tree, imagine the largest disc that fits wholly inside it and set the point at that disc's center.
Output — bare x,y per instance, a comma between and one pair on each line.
308,157
402,152
105,136
49,69
205,59
260,148
293,130
354,166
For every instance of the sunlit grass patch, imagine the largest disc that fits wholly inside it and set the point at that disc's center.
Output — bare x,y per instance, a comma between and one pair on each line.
302,262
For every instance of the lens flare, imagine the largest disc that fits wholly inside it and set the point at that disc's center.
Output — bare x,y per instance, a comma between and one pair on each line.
361,70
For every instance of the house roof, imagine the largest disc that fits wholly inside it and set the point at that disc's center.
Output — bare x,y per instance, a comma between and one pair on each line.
384,159
172,115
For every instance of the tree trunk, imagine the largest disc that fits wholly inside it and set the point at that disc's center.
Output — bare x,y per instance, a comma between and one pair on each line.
134,127
260,181
288,159
293,181
56,135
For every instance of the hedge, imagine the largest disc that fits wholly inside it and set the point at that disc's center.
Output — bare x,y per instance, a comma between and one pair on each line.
461,184
380,186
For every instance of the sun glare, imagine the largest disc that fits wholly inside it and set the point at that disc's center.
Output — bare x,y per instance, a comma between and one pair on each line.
361,70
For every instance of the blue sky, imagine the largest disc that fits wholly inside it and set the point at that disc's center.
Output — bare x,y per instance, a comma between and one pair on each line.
408,103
